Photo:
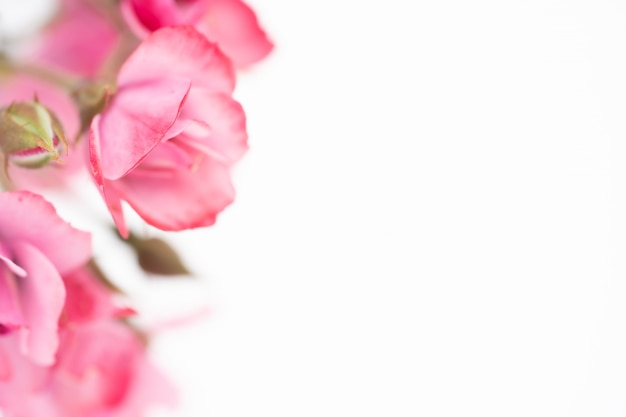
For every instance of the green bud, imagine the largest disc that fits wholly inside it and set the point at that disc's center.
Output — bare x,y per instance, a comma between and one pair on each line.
30,134
155,256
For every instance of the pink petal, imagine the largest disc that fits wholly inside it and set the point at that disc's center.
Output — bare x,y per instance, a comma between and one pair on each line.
177,128
94,151
94,368
13,267
187,197
153,14
20,380
181,51
136,121
79,40
28,218
144,16
149,387
42,295
86,298
113,201
5,367
234,27
109,194
226,121
11,316
107,365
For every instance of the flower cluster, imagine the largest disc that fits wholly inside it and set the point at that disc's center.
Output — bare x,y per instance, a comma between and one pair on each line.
136,95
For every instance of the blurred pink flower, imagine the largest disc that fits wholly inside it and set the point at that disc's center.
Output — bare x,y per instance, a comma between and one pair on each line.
87,299
101,371
36,248
170,134
231,24
79,40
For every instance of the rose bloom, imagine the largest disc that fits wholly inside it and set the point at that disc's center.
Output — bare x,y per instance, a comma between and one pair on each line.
36,248
88,299
101,371
231,24
170,133
79,39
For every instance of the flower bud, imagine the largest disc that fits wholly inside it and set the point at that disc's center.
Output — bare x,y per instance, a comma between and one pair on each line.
30,134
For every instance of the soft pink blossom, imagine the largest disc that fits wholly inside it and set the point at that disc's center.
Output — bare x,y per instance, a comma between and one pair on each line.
101,371
170,134
36,248
88,299
79,39
232,24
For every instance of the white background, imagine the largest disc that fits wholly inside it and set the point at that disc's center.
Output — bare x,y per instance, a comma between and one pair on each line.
431,219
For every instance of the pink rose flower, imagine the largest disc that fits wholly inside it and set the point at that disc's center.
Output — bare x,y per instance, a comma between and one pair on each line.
79,40
102,371
230,23
87,299
171,132
36,248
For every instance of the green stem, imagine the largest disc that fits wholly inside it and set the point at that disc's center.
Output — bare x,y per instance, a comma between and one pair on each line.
5,181
63,80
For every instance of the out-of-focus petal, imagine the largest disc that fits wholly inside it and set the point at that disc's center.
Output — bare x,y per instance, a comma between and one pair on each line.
42,295
79,40
234,27
11,315
20,382
105,362
145,16
28,218
86,298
